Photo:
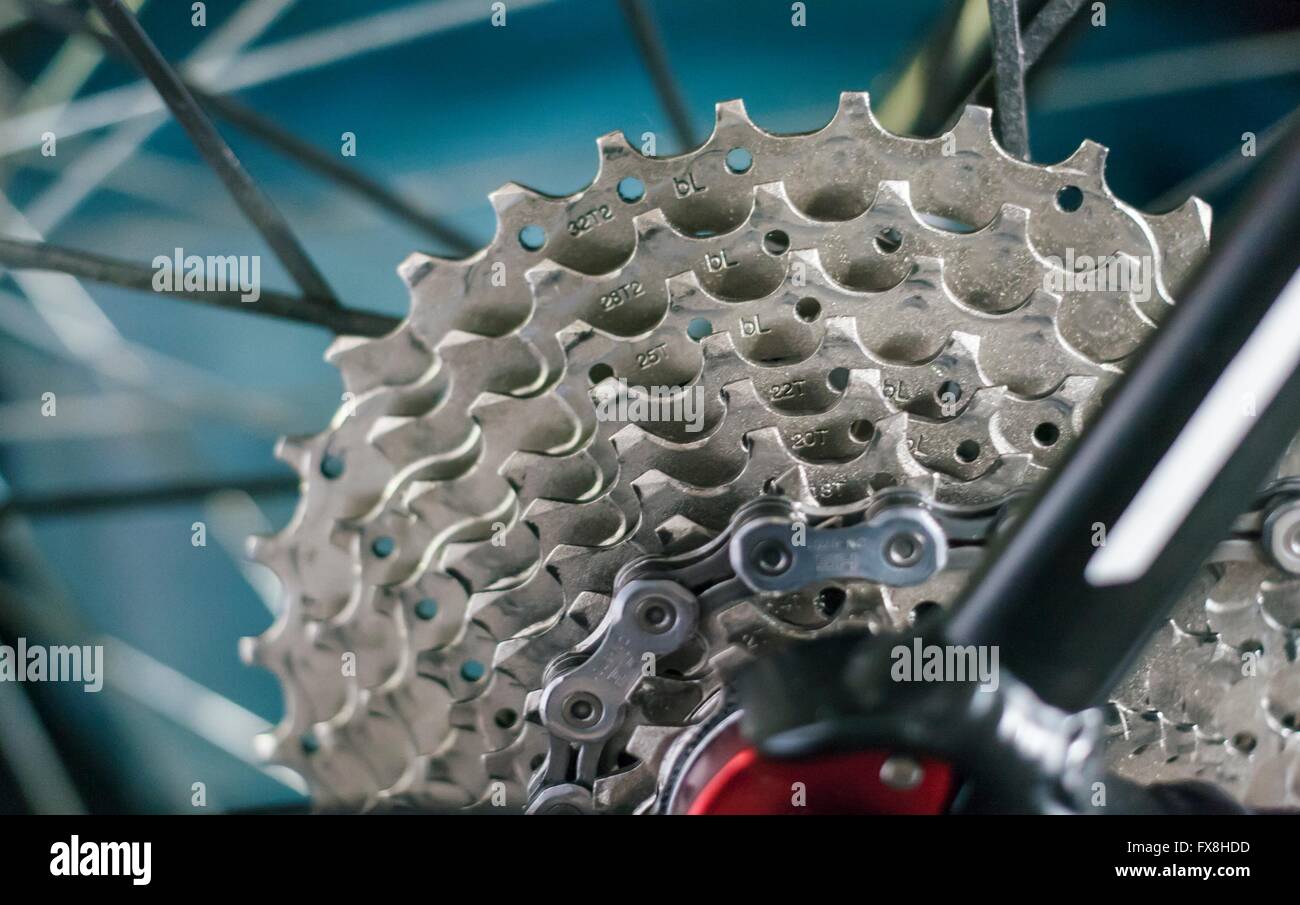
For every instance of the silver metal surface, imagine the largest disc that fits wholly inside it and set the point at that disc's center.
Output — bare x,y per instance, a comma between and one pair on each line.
837,313
1282,536
901,545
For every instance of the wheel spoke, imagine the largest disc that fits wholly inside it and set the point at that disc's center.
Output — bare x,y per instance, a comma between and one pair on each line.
1009,76
23,255
257,207
266,131
79,502
650,44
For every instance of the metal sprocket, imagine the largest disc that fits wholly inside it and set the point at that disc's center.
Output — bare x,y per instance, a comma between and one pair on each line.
857,310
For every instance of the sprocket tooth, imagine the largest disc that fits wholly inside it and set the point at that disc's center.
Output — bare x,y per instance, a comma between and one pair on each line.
513,551
263,549
1007,474
853,107
892,194
615,146
252,652
1087,166
595,523
418,266
510,195
406,441
539,424
731,114
574,478
973,131
772,204
1183,237
295,452
392,360
648,225
425,707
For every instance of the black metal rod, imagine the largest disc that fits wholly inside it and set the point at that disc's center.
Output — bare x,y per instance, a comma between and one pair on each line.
313,158
254,124
1046,26
251,200
651,46
19,254
1071,637
80,502
1009,76
953,75
1043,30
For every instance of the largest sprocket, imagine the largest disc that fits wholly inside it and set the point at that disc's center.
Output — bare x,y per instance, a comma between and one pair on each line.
850,309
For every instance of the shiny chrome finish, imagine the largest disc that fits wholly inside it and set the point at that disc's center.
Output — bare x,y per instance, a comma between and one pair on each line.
465,516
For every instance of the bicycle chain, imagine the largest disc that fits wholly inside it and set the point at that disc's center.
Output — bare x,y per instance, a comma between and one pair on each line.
462,519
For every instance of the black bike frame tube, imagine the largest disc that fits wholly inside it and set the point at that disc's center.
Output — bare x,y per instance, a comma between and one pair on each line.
1069,616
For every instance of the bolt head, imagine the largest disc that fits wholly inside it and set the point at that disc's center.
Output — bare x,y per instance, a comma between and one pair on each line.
656,615
582,709
901,772
771,557
904,549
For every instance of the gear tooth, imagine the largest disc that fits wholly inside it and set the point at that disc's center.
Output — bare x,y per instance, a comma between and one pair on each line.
967,342
544,273
742,395
1193,212
811,259
853,105
614,144
651,222
894,193
974,129
772,203
731,113
629,436
1013,220
1183,238
893,433
393,360
266,746
1078,390
1089,159
867,115
509,194
251,651
772,193
719,345
928,270
686,283
985,400
261,548
295,452
417,266
339,349
458,338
